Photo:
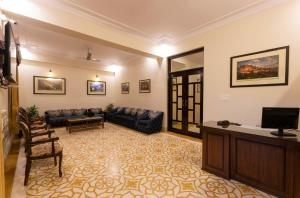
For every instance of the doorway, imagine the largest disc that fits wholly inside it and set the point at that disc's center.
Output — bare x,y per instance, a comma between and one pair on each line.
185,92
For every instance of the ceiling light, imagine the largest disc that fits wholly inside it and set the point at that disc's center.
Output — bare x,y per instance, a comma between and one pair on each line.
164,47
113,68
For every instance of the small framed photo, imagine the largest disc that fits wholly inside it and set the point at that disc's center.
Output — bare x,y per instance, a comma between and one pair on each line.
96,87
125,88
145,86
263,68
49,85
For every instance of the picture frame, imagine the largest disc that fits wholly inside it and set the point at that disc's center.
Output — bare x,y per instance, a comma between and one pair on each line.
96,87
49,85
145,86
125,88
263,68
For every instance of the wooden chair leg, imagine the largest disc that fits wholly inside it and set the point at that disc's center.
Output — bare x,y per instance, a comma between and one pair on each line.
27,171
55,160
59,165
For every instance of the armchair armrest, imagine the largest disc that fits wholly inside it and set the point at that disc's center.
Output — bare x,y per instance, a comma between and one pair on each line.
44,132
43,141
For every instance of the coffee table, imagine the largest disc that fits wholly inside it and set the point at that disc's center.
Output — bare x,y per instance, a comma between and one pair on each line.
84,122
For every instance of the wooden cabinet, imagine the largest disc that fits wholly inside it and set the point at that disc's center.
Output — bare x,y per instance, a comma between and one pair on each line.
216,149
253,157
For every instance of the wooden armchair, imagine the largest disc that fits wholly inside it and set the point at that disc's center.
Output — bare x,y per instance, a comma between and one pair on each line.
40,149
35,123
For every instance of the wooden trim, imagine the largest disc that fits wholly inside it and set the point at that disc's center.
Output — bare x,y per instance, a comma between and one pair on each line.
259,52
87,87
170,88
65,85
2,176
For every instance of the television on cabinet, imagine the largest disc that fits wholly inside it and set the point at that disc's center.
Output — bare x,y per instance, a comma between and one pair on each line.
280,118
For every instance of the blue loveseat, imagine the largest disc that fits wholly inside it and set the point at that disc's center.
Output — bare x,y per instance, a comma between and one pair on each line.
143,120
59,117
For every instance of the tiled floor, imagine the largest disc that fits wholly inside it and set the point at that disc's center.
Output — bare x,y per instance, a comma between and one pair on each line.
119,162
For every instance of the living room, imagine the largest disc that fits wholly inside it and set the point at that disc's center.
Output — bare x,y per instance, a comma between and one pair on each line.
139,57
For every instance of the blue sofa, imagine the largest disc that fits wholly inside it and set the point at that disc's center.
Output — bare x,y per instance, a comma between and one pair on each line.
59,117
143,120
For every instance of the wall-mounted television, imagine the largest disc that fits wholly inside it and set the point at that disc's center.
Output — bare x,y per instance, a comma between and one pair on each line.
10,44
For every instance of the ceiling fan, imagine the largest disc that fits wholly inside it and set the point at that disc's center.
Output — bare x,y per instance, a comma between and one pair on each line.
89,57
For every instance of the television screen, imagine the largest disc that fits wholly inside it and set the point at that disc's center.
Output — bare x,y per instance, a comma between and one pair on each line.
280,118
9,68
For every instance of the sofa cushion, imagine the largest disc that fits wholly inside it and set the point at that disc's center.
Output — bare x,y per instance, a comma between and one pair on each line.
79,112
66,112
95,110
133,112
120,110
153,114
127,111
53,113
141,114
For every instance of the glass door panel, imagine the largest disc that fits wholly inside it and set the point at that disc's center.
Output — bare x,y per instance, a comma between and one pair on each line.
177,103
194,85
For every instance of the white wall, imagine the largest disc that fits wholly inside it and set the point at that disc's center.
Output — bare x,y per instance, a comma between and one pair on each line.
140,69
275,27
76,85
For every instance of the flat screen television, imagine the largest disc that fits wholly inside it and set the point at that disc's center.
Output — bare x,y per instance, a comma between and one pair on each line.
10,44
280,119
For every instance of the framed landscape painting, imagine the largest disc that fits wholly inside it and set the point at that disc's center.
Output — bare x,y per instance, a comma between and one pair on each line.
125,88
96,87
145,86
49,85
264,68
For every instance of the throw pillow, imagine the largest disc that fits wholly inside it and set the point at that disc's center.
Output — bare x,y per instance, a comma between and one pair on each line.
54,113
127,111
153,114
133,112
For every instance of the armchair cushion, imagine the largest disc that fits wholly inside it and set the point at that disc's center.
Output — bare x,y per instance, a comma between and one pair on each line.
45,149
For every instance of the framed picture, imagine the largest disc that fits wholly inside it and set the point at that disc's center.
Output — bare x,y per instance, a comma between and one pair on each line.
49,85
264,68
125,88
96,87
145,86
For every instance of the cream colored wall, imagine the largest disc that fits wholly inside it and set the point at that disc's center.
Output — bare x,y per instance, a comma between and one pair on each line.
76,85
275,27
139,69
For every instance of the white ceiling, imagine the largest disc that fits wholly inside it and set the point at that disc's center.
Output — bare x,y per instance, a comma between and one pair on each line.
160,18
154,19
46,42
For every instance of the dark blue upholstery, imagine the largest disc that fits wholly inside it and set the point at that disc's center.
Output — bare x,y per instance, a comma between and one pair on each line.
139,119
59,117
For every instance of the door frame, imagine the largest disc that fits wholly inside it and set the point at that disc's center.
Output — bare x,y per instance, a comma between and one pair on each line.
169,106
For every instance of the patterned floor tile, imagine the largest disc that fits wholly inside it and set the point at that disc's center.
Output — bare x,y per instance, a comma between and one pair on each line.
119,162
